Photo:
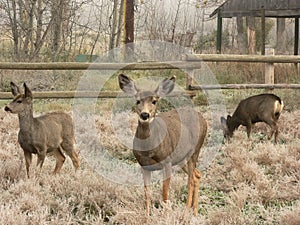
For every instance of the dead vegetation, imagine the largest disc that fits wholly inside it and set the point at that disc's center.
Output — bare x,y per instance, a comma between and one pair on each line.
249,182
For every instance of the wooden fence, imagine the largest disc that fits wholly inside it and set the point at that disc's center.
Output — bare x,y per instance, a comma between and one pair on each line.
189,62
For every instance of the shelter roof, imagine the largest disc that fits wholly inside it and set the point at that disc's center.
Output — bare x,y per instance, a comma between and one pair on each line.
273,8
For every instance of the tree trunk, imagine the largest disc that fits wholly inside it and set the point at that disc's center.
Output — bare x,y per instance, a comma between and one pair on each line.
251,34
57,16
129,29
114,25
175,21
39,23
28,29
120,23
14,27
129,22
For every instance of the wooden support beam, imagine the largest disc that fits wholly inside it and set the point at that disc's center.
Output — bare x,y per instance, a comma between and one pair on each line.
296,44
263,31
219,33
270,68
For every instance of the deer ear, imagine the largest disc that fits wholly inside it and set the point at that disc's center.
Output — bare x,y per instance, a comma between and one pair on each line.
224,126
15,90
28,92
223,121
127,85
165,87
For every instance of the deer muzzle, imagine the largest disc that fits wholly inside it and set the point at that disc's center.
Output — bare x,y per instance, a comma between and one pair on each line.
144,116
7,109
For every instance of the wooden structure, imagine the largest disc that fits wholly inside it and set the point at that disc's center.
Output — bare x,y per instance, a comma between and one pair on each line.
262,9
189,62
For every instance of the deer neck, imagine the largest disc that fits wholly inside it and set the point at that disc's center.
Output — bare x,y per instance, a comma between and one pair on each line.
234,124
143,130
149,136
26,119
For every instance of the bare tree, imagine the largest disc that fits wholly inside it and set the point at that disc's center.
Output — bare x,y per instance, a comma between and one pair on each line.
251,34
11,11
24,22
120,23
114,18
57,16
175,20
35,23
58,30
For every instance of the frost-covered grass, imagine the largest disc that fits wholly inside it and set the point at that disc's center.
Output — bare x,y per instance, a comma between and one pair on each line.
249,182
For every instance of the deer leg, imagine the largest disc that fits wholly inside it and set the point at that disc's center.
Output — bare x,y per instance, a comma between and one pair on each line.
166,183
187,168
271,134
276,134
197,176
191,186
41,159
60,159
68,147
28,160
274,129
249,128
147,179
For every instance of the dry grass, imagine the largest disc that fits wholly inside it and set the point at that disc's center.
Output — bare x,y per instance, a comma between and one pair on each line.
250,182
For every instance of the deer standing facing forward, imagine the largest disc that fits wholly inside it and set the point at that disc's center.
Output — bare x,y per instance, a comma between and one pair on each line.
170,138
52,132
258,108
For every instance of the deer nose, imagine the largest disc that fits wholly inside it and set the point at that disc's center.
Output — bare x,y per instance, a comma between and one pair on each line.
7,109
144,116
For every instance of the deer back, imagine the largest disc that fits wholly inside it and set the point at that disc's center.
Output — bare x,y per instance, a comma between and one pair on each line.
47,131
258,108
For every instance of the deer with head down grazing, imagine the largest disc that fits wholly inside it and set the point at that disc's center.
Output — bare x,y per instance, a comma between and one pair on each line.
52,132
166,139
258,108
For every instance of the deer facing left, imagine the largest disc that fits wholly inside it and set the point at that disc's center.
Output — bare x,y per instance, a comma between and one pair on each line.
52,132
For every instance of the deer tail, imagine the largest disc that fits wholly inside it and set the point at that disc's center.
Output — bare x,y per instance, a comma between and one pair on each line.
278,107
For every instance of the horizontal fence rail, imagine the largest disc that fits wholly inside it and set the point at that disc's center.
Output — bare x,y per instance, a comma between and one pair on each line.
97,66
242,58
114,94
87,94
245,86
189,62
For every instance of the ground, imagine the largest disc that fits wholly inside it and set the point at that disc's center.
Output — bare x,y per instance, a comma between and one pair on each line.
249,182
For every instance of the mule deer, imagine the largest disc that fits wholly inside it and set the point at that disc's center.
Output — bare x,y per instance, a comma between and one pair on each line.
52,132
167,139
258,108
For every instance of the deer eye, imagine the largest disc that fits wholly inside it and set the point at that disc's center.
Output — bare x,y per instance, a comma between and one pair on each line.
19,101
138,102
154,102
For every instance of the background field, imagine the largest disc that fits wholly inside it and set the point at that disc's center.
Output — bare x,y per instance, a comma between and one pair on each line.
249,182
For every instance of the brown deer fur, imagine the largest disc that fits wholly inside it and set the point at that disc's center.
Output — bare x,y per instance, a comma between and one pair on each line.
52,132
258,108
166,139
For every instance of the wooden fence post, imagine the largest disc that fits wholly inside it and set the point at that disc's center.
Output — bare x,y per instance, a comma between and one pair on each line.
269,68
189,78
